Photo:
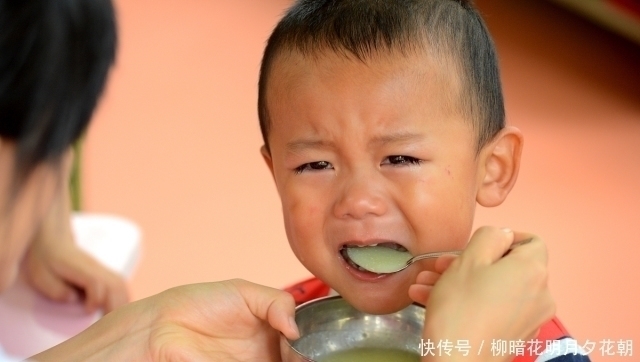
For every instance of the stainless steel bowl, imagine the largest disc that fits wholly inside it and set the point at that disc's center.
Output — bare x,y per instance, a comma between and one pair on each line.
330,324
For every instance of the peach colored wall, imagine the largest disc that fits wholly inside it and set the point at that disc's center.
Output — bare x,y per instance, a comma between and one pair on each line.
574,90
174,146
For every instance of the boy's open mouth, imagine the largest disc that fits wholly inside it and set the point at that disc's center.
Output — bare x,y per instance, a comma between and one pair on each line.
345,255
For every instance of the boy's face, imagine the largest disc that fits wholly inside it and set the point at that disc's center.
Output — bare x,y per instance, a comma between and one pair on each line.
366,153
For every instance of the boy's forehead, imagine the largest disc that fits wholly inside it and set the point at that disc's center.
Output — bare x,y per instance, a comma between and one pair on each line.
293,72
329,99
290,66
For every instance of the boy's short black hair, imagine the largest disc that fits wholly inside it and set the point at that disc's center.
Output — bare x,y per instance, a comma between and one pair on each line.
54,59
451,30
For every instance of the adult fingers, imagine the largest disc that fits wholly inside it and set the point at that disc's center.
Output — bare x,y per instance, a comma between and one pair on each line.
426,277
275,306
420,293
535,248
528,261
443,263
528,264
487,245
52,287
79,271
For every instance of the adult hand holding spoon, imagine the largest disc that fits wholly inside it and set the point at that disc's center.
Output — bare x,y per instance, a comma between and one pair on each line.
482,295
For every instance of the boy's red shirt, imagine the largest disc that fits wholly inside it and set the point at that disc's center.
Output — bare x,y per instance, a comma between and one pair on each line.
313,288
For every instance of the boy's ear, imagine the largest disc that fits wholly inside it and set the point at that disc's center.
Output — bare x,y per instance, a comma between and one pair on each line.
266,156
500,161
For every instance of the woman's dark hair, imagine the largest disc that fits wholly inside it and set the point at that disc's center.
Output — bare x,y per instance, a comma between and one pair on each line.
55,56
450,30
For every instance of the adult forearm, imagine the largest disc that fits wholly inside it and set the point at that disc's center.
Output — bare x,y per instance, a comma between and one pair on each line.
121,335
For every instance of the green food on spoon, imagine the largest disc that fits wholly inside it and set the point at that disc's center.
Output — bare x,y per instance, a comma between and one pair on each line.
378,259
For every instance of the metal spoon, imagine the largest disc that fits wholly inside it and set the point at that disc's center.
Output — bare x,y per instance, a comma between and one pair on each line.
401,264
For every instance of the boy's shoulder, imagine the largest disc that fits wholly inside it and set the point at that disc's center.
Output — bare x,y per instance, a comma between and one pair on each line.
554,343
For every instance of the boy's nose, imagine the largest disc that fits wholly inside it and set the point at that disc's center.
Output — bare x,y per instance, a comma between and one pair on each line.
360,197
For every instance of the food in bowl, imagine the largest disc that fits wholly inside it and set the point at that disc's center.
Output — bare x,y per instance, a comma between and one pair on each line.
333,330
371,355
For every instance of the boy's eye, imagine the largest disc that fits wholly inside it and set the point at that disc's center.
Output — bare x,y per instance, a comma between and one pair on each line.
314,166
400,160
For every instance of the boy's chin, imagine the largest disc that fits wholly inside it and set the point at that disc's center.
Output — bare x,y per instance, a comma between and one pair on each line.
378,304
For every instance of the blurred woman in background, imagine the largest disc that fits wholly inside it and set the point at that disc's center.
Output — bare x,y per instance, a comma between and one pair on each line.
55,56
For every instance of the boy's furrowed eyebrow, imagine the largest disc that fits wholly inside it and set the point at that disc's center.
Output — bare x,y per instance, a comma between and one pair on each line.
399,137
304,144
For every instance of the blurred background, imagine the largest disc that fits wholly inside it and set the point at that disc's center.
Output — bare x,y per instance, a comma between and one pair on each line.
175,147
